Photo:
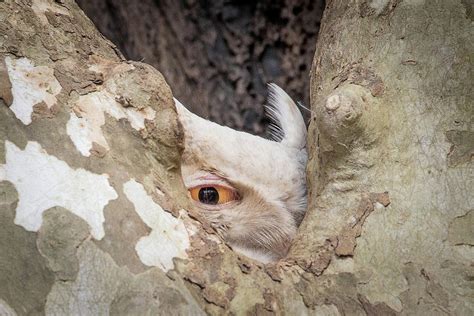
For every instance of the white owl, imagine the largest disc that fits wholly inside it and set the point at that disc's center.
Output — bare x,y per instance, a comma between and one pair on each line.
252,190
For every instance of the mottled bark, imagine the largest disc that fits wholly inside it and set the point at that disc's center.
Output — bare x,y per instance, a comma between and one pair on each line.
391,144
85,137
93,211
218,56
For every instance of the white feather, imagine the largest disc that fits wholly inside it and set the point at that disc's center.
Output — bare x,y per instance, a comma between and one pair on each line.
287,124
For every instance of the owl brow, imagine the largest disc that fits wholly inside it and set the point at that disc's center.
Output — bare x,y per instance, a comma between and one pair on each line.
210,177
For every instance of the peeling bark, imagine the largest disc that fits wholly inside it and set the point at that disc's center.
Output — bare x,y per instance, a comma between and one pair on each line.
393,113
390,175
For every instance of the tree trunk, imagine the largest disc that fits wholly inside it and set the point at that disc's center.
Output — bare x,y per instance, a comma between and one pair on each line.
95,218
218,56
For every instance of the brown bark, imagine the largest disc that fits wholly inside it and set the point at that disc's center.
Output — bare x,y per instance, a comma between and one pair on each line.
218,56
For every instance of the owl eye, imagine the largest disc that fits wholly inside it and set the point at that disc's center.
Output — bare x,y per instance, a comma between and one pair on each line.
213,194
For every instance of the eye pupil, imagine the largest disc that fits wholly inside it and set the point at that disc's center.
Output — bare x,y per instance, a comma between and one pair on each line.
208,195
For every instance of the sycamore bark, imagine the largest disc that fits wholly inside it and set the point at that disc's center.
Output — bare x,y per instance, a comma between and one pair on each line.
92,207
218,56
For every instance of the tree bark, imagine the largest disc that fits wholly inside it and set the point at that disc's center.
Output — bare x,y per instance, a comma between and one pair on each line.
95,218
218,56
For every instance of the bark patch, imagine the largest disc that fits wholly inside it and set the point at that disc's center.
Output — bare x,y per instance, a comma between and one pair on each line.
373,7
5,84
58,239
42,110
270,300
347,238
24,276
31,85
424,293
356,73
462,147
375,309
469,7
318,262
214,294
461,230
274,272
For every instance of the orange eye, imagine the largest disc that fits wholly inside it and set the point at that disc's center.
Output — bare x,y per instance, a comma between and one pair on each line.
213,194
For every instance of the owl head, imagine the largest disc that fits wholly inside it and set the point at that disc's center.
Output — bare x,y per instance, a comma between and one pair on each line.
252,190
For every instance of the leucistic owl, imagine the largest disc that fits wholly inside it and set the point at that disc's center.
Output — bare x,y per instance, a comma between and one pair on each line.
252,190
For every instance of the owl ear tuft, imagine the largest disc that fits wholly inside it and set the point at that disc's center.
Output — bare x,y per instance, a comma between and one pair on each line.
287,125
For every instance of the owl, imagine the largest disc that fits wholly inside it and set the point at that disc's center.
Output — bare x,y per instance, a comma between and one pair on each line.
252,190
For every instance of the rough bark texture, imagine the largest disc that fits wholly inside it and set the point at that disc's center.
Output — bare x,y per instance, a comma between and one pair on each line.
57,70
218,56
91,202
391,155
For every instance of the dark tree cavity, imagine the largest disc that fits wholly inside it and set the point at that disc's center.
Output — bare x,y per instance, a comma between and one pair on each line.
217,56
